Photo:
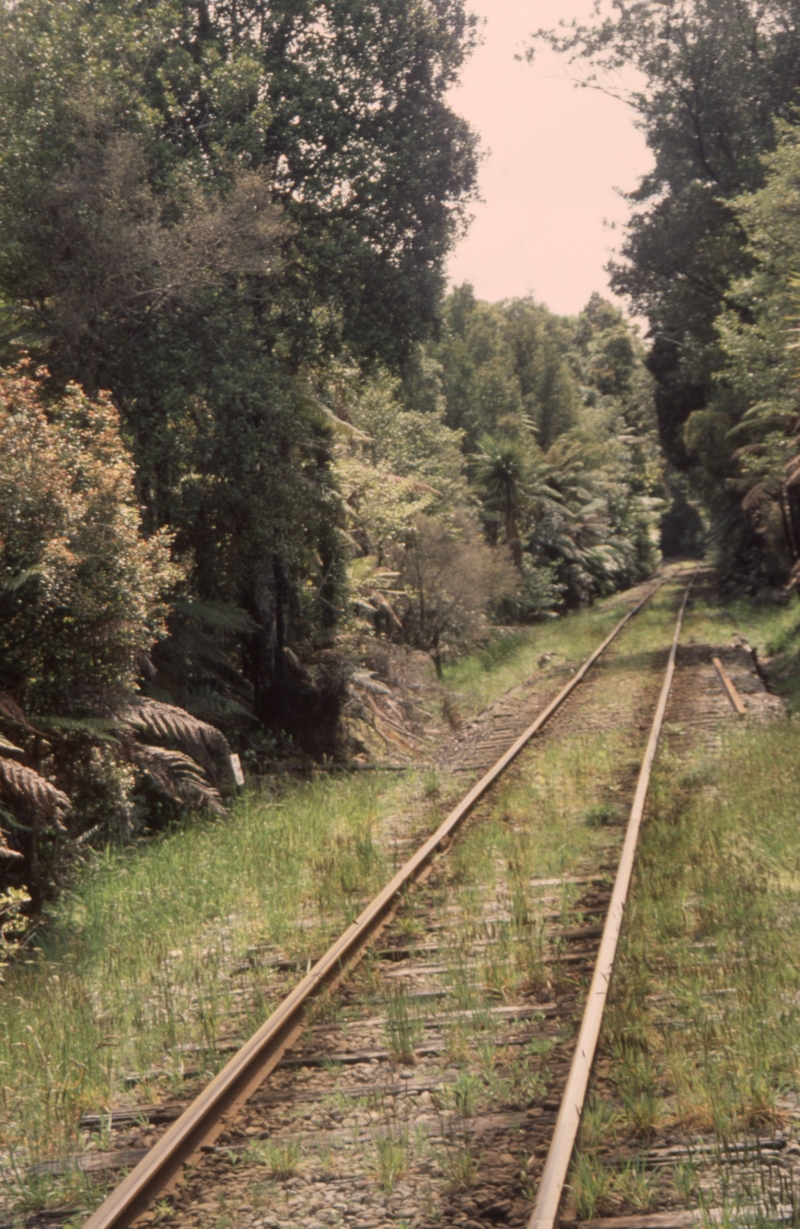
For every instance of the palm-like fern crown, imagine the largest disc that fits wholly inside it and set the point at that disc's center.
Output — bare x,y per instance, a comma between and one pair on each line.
499,467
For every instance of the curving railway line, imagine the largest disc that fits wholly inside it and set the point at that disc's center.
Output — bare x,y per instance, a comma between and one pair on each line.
431,1067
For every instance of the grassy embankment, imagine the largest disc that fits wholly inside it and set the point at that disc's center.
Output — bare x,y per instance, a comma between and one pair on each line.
702,1039
134,963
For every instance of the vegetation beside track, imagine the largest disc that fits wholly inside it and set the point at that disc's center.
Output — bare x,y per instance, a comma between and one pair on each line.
701,1045
139,969
513,654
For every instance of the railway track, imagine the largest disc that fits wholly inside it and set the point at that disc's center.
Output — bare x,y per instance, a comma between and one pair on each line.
200,1125
426,1068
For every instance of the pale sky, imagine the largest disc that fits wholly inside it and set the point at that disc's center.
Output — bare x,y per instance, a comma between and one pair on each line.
555,155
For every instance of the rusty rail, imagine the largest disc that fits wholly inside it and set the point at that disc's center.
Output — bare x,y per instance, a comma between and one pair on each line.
202,1121
554,1175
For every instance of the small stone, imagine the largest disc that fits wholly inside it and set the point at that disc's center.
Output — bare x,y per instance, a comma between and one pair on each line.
499,1210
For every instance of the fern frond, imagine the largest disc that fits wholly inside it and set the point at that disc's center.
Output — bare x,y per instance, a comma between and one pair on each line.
6,851
47,804
220,616
9,748
366,679
12,711
172,724
101,728
762,493
178,776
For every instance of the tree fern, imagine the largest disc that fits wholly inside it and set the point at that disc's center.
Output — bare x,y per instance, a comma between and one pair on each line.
45,805
177,776
172,724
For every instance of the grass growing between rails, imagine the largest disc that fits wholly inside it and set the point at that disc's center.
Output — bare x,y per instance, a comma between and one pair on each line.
513,655
160,951
151,955
557,814
702,1036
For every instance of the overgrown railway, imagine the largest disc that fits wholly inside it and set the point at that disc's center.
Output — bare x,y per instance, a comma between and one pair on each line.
426,1068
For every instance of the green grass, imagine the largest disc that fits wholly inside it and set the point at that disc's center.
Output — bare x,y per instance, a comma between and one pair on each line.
391,1159
773,631
514,655
154,949
539,824
703,1030
280,1159
511,656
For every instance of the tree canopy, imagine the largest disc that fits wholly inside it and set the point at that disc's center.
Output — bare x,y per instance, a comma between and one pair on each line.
200,206
265,445
719,77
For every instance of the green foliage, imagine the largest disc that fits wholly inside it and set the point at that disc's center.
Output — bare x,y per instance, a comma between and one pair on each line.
198,207
719,83
578,519
82,598
744,443
81,591
502,363
569,472
344,107
451,579
499,468
393,464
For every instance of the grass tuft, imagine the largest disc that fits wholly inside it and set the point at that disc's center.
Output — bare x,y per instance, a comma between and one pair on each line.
391,1159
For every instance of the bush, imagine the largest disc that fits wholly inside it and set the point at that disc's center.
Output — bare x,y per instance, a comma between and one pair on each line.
81,591
452,579
82,597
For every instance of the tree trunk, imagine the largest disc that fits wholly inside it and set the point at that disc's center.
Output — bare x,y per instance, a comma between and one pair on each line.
437,657
512,538
788,531
265,661
793,516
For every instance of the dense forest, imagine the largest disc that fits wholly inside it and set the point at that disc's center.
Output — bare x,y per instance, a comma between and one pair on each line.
710,258
245,431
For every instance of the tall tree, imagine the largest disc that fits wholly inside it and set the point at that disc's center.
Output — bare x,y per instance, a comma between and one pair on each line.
199,204
716,73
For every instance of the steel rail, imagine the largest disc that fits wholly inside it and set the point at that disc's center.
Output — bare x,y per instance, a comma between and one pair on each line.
554,1174
203,1120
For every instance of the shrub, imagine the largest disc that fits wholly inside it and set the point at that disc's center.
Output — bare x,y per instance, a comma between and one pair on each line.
81,591
452,580
82,597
